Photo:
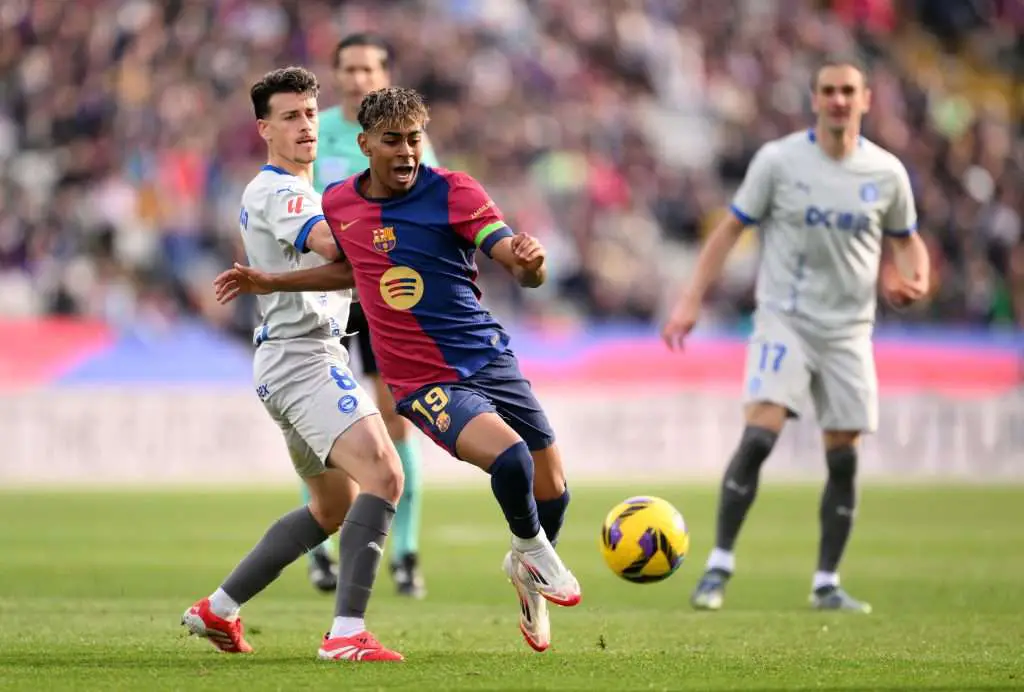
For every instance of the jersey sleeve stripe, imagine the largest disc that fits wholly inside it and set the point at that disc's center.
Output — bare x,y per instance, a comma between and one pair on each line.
261,335
300,239
742,216
487,230
902,233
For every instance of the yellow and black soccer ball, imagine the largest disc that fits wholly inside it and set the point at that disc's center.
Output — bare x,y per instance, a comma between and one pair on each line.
644,539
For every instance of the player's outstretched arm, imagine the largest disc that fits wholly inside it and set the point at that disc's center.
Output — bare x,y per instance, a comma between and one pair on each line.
686,308
523,256
240,279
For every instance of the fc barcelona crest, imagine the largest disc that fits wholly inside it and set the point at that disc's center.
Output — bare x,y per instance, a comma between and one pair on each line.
384,239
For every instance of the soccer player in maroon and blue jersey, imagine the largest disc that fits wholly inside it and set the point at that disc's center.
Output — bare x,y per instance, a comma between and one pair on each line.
407,235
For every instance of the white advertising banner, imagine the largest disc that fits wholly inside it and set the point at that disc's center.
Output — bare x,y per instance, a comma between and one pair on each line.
167,436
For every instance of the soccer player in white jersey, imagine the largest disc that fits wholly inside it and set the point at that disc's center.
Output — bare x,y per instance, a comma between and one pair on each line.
824,200
335,435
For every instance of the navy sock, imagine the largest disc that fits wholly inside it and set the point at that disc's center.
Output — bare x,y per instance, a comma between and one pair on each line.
552,513
512,484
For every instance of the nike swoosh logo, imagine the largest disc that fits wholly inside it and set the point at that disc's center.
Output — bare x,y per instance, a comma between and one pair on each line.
736,487
345,226
372,545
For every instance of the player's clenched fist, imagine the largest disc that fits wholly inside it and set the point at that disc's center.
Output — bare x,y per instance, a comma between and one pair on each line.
528,251
240,279
680,322
901,291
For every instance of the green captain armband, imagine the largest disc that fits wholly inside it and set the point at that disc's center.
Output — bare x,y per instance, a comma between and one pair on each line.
490,234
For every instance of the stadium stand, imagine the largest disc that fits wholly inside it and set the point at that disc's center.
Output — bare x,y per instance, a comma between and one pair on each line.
615,130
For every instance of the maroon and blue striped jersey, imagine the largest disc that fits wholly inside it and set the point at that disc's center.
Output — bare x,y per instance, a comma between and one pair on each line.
415,273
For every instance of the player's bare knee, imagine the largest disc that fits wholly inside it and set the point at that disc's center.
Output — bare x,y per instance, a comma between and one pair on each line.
393,483
328,515
385,476
835,439
369,457
766,415
484,439
549,476
329,510
547,486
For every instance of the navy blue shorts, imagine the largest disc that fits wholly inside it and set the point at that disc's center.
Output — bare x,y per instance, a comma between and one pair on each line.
443,410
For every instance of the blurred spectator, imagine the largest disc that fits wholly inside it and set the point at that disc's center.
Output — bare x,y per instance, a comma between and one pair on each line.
615,130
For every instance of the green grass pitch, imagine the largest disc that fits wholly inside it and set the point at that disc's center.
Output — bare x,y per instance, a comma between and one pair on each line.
92,586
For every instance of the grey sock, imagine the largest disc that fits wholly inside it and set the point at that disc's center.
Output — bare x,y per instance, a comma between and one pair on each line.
739,487
837,506
283,543
361,546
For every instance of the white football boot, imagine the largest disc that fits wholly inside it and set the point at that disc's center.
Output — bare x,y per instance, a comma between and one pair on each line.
545,570
533,609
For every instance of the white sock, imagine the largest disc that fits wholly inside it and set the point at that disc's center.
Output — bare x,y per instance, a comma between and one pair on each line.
526,545
822,579
724,560
347,627
222,605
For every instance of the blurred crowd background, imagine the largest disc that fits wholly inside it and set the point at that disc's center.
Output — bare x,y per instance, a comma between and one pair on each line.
615,130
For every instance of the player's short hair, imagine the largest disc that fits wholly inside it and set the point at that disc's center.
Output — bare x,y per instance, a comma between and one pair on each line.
392,107
368,39
840,60
286,80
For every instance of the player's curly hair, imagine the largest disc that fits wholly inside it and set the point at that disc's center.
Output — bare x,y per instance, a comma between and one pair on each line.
286,80
392,107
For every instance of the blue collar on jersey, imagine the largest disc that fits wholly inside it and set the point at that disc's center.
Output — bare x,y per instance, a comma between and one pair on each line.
275,169
814,138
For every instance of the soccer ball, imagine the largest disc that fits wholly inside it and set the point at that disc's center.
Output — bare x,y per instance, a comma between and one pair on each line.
644,539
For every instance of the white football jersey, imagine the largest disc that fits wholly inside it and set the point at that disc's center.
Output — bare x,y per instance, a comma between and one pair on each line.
821,224
278,212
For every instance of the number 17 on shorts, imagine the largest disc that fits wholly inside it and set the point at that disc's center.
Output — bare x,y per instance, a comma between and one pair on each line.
776,372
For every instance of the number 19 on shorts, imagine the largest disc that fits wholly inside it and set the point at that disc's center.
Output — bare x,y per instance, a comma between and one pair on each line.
431,404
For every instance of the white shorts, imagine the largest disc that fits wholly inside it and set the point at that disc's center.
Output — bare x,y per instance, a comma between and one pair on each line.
785,363
307,387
